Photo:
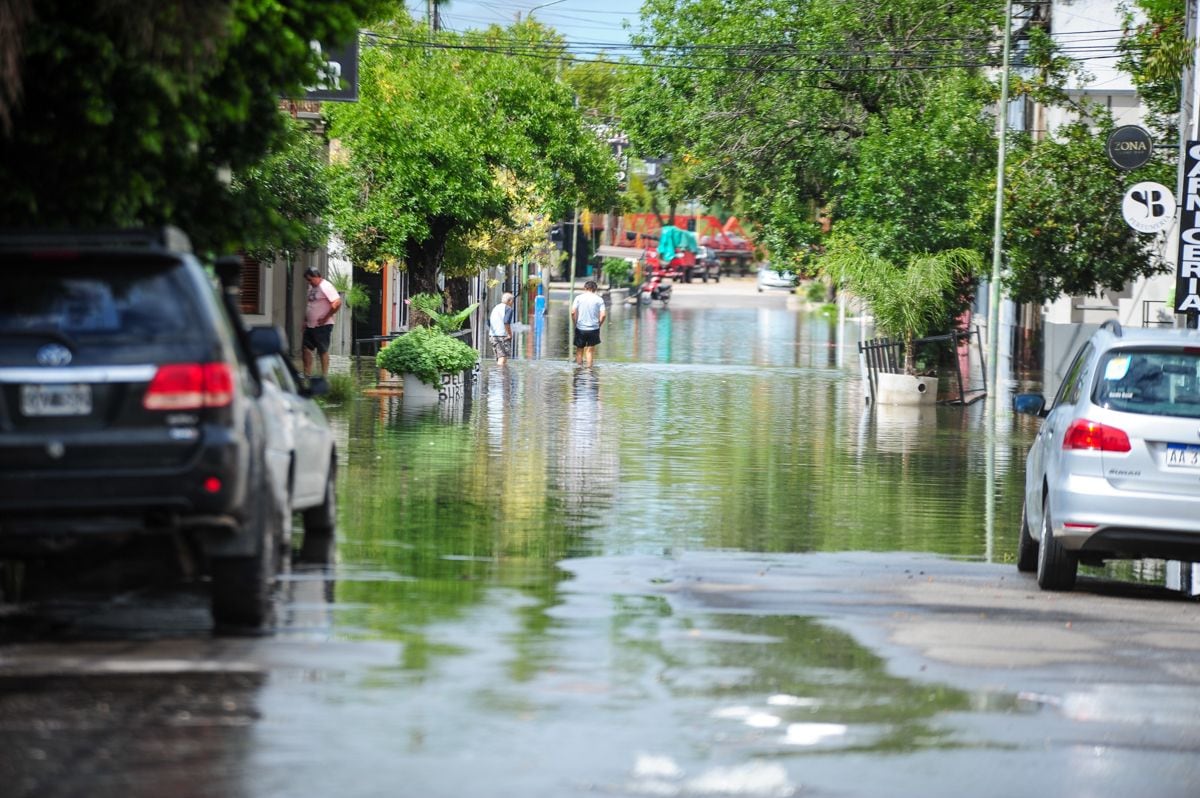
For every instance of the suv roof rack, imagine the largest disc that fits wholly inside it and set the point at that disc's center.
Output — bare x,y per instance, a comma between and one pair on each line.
1115,326
168,238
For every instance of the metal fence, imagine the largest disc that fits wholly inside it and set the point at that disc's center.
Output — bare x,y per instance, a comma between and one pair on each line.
967,375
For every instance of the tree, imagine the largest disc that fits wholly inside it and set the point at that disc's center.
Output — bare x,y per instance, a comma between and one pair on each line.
773,97
1155,50
129,113
438,123
284,199
920,172
907,298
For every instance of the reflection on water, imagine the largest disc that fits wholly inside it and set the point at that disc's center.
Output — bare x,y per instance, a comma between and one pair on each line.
696,429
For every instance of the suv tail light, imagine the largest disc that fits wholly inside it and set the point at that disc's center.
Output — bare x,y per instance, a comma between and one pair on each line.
1084,434
190,386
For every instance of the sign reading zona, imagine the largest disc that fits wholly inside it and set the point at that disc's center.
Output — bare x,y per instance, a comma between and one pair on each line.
1129,146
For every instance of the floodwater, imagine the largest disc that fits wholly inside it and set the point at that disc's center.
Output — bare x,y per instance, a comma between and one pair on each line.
467,536
550,592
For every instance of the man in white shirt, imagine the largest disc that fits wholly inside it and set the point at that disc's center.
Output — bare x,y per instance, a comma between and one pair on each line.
500,328
588,314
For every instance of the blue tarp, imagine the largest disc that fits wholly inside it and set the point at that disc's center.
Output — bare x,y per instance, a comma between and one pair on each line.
671,239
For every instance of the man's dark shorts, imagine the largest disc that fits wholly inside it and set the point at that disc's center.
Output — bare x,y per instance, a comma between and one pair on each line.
318,338
586,337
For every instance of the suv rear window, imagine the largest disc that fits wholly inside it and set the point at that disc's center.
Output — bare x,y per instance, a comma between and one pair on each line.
1160,382
89,300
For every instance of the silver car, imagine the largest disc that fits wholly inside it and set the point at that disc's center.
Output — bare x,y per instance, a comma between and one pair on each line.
302,456
770,278
1115,470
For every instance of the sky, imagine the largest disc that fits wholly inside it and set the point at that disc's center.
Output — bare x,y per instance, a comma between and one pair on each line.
577,20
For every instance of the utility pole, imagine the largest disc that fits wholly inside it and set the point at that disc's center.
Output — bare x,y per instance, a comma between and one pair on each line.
432,15
998,231
571,284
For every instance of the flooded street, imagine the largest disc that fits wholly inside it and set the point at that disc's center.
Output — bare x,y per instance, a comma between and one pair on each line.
702,568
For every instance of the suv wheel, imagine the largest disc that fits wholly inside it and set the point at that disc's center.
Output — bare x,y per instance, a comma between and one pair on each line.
320,524
1027,547
242,586
1056,567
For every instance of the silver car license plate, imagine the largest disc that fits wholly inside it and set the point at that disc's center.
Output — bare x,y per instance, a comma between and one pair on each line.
1183,455
56,400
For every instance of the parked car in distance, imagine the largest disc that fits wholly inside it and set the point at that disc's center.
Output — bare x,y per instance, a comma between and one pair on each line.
1115,470
773,279
707,266
130,408
302,443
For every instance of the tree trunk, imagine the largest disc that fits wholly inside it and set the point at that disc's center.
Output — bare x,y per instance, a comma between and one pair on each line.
457,288
910,357
424,258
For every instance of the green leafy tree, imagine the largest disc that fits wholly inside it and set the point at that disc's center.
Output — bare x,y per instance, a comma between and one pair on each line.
919,172
1155,50
434,131
130,113
773,97
283,200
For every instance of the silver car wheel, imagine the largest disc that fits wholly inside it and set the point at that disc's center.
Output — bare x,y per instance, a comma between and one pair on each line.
1056,567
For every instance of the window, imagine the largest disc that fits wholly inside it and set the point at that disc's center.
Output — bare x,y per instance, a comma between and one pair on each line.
252,287
1068,392
1159,382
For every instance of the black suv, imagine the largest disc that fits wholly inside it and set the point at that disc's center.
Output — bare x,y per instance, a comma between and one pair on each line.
128,407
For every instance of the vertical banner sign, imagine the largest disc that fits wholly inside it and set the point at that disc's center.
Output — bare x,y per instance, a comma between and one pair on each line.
1187,277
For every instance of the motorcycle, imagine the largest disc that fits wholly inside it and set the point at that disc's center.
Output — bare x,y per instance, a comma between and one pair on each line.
655,289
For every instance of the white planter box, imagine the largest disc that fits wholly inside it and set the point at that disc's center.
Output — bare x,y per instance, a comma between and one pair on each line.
902,389
417,392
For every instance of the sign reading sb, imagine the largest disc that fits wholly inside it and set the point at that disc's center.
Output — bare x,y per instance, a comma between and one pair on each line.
1187,274
1149,207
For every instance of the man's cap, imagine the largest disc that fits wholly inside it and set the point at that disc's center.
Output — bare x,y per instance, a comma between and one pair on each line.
312,271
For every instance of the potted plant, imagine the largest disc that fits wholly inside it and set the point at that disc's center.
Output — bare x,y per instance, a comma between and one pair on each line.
906,302
428,357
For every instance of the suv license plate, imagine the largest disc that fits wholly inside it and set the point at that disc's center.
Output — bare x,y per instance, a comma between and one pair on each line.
56,400
1183,455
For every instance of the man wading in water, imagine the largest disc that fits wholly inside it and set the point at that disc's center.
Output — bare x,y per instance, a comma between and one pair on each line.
588,314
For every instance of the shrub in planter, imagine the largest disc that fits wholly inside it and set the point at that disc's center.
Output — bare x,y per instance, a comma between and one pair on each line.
427,353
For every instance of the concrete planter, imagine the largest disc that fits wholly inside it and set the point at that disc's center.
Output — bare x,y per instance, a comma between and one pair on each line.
450,390
903,389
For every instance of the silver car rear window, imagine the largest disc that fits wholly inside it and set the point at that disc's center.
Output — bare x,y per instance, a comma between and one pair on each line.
1161,382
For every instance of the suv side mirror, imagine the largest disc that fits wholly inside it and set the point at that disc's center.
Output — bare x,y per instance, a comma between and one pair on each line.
267,340
1029,404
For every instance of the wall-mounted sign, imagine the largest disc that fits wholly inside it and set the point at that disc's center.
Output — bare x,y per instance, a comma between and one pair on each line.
1149,207
1187,272
1129,146
338,81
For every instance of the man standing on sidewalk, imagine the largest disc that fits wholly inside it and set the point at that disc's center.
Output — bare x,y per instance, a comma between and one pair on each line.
588,314
323,302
